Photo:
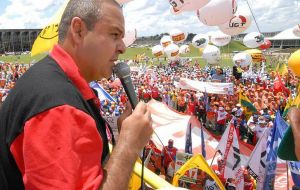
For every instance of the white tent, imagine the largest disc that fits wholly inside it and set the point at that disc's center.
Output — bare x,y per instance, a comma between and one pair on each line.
285,35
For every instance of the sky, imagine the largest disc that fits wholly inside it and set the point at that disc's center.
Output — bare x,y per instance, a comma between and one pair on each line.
151,17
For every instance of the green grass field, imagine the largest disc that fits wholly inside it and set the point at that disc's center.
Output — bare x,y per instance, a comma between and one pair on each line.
132,52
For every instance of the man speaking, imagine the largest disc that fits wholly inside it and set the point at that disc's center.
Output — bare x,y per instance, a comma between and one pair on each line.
51,133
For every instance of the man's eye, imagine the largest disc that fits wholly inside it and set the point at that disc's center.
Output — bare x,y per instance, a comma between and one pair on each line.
115,35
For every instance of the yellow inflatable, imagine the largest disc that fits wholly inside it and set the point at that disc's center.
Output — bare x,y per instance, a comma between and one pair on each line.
256,55
294,63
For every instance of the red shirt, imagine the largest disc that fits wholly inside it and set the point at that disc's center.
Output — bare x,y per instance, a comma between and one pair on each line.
123,98
169,155
155,93
248,184
61,148
146,95
191,107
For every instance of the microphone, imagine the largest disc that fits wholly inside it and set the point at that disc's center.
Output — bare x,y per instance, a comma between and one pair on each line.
122,70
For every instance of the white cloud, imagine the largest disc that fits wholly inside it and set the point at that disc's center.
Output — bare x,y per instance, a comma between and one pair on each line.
152,17
28,13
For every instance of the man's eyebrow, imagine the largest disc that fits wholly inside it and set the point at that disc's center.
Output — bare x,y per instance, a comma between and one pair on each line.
118,29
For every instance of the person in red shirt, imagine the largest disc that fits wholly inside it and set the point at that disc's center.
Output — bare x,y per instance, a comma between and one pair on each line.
52,135
146,94
123,98
191,107
155,94
181,102
249,183
168,155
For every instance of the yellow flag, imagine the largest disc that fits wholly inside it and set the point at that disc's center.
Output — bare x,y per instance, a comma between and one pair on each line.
49,35
296,101
283,69
277,67
198,162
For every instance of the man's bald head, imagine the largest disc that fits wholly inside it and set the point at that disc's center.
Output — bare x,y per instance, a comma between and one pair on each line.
90,11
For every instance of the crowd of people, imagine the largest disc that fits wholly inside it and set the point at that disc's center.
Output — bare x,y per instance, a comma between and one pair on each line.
213,111
9,74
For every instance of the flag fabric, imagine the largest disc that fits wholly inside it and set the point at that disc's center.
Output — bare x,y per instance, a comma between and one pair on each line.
198,162
272,146
188,140
257,162
281,68
206,101
230,151
296,101
245,102
279,86
102,94
203,143
293,166
289,103
295,172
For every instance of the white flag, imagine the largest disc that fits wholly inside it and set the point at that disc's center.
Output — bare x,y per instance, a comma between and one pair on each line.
257,161
230,150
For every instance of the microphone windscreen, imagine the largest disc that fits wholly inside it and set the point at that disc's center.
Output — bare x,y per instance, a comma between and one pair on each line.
122,70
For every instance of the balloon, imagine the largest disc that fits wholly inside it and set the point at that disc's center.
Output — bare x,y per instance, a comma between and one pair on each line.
220,39
256,55
184,49
179,6
236,25
266,45
200,41
296,30
217,12
121,2
165,41
294,63
158,51
212,54
253,40
172,51
242,59
178,35
130,37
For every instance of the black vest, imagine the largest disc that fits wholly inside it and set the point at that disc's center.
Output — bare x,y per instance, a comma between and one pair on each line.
42,87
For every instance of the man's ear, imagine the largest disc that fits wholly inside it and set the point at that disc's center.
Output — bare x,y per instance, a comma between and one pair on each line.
78,29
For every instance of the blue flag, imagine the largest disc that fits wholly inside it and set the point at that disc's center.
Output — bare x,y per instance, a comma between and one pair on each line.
188,140
206,101
295,172
280,127
294,166
203,143
102,94
272,147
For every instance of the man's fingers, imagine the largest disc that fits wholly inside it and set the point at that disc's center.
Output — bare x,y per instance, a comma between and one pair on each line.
141,108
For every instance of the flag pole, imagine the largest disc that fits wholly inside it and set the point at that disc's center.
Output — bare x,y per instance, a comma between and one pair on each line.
287,175
213,158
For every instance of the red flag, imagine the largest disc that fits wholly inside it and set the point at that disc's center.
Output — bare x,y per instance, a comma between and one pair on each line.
279,86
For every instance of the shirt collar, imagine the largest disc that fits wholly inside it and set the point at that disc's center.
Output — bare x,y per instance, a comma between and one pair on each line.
67,64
